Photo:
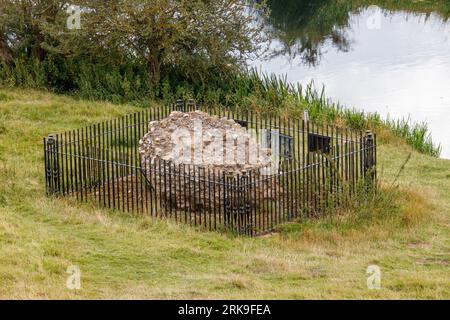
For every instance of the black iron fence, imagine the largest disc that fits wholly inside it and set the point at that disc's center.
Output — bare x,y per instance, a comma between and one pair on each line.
317,166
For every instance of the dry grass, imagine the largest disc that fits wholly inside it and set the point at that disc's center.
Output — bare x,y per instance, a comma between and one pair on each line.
405,231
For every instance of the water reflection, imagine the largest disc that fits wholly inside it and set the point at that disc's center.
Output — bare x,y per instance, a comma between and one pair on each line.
394,62
301,27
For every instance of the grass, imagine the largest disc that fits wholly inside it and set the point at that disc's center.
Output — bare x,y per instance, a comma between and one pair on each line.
405,231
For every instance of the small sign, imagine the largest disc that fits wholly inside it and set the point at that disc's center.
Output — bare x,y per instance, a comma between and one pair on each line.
284,142
317,142
180,105
242,123
306,115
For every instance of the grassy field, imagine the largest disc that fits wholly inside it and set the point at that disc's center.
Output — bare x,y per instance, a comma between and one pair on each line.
405,231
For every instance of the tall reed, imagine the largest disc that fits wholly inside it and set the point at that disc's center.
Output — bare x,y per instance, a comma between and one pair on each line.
274,94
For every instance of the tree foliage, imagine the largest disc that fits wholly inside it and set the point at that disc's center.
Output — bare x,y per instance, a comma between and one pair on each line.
192,39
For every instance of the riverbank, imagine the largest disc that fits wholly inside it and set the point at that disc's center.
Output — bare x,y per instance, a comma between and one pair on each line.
121,256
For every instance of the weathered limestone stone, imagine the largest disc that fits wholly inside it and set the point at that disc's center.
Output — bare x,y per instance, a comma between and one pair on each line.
216,159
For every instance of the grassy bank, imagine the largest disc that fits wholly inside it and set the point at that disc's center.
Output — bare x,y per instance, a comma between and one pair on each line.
405,231
247,90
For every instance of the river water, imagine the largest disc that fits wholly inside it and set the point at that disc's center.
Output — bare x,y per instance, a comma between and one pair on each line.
396,63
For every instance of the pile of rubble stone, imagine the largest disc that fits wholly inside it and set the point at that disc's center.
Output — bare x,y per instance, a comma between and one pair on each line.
180,148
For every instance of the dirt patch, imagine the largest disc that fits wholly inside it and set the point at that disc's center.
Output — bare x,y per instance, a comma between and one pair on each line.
434,261
420,245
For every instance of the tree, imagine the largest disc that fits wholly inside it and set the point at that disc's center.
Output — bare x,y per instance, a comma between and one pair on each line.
5,51
191,37
187,39
22,24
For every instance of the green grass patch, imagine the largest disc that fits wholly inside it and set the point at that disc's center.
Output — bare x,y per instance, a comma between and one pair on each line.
404,231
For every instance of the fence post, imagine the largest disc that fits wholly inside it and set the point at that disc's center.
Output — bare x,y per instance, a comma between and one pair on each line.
244,204
48,168
52,165
227,200
190,105
369,159
180,105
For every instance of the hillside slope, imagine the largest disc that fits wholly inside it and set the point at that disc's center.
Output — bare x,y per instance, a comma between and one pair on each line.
121,256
